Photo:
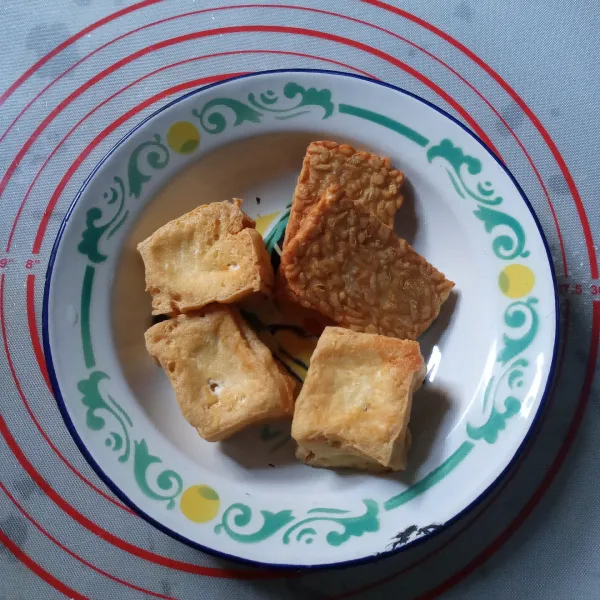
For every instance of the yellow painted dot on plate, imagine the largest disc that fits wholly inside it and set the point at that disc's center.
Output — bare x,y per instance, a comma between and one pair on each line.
183,137
199,503
263,222
516,281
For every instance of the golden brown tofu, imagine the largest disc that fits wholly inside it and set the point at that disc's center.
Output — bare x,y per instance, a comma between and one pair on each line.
223,376
211,254
354,407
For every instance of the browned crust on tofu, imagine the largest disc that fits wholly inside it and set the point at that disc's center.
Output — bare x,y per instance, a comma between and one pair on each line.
354,407
211,254
224,377
366,178
351,267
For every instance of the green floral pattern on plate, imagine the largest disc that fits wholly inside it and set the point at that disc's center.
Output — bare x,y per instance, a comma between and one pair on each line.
147,157
240,521
91,236
496,422
168,480
238,516
254,109
506,247
516,317
92,398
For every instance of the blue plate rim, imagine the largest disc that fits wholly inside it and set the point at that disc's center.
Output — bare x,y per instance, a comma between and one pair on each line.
286,567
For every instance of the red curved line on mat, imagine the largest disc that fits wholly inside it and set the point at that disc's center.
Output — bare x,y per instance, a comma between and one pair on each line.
180,16
68,42
102,47
75,165
352,19
550,475
495,494
138,29
13,373
33,330
41,573
75,556
230,30
207,80
113,539
585,224
204,80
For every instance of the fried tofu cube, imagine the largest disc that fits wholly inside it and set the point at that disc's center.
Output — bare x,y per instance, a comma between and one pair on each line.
354,407
211,254
366,178
352,268
223,376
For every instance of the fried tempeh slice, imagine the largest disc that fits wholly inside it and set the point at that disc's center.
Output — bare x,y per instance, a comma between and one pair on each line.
223,376
354,407
366,178
351,267
211,254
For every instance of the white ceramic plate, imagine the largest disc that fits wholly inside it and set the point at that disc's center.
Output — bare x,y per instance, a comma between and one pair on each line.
490,354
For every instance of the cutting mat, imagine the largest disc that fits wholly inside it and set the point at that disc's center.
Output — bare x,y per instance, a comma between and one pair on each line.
76,75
